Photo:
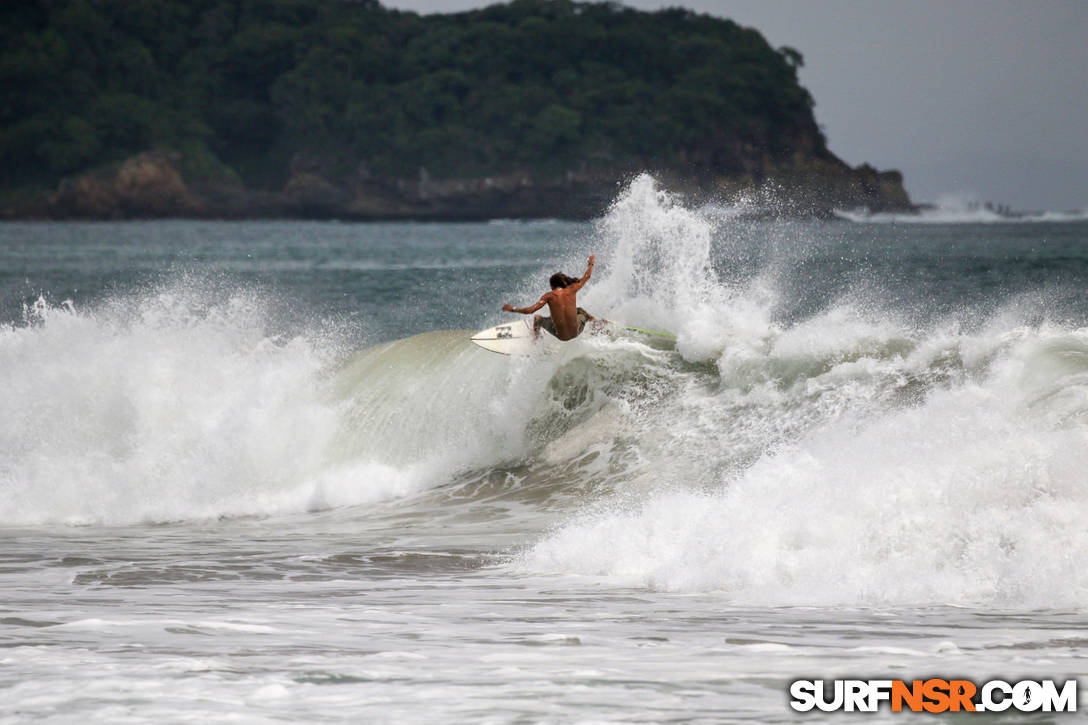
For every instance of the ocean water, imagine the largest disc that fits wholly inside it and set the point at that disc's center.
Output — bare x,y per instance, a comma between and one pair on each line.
255,472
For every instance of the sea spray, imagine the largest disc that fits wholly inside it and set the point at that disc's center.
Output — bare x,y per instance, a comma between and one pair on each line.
844,458
974,496
162,408
185,403
962,209
853,454
801,443
660,274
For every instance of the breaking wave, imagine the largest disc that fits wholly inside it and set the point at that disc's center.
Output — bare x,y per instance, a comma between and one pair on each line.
957,209
848,455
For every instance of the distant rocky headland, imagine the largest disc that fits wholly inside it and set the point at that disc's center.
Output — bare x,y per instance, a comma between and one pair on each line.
344,109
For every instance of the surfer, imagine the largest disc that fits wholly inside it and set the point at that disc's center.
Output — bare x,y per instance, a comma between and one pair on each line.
568,319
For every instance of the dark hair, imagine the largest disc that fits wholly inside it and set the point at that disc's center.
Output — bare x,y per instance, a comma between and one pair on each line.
560,280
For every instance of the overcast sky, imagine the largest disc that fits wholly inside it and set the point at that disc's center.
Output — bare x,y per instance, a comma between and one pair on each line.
983,98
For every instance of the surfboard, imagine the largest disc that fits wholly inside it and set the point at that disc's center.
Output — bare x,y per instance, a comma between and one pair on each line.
516,338
512,338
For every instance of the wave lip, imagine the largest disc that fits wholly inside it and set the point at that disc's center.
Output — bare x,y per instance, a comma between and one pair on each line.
187,404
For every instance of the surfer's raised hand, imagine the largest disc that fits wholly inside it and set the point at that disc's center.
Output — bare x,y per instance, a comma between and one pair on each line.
507,308
585,277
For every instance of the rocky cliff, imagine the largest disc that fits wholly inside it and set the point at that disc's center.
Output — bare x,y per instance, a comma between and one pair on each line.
151,185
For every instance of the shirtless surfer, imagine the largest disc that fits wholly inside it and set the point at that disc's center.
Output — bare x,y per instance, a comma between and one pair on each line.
567,318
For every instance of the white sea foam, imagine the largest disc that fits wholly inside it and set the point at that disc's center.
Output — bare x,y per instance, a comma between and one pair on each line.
660,275
174,407
974,496
960,209
162,409
848,458
840,455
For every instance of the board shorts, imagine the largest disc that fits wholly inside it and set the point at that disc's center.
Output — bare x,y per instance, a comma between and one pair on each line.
583,318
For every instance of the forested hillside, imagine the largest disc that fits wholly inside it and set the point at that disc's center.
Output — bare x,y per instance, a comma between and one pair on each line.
335,100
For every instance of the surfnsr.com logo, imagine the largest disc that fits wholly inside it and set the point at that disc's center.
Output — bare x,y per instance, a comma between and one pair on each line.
933,695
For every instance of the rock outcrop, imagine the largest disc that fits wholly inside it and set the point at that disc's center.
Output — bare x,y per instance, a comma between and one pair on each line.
146,185
150,185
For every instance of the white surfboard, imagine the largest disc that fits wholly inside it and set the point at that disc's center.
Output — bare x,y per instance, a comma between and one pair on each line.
516,337
513,338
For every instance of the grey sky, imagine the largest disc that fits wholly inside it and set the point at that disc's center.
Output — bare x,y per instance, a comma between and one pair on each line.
982,98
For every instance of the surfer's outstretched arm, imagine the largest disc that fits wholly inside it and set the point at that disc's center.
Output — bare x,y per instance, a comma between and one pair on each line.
527,310
585,277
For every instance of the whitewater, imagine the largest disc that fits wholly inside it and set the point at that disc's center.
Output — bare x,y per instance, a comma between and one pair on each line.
256,472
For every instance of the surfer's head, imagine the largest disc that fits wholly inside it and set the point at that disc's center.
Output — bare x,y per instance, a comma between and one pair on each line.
560,280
